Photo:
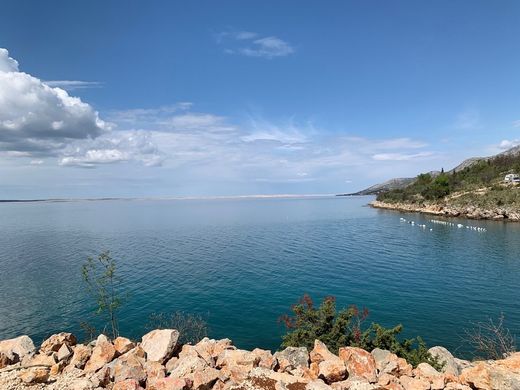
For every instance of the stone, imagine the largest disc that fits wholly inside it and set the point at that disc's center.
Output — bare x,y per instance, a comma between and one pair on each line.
381,357
57,368
80,356
64,353
291,358
332,370
456,386
445,356
320,352
205,379
208,349
128,384
317,384
266,359
128,366
187,365
159,344
424,370
168,383
410,383
237,363
4,360
103,353
18,348
81,384
123,345
54,343
102,377
359,363
437,383
34,375
154,370
477,377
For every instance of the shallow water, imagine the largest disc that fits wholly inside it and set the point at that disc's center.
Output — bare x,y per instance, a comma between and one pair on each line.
243,262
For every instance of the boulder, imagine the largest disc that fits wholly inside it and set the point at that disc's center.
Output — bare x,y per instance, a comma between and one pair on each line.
237,363
123,345
424,370
128,384
55,342
445,356
291,358
209,349
332,370
410,383
129,366
34,375
81,384
381,357
159,344
359,363
168,383
266,359
81,355
320,352
103,353
64,353
16,349
4,360
205,379
187,365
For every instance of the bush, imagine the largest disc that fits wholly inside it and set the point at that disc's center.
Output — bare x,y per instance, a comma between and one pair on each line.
491,339
345,328
192,327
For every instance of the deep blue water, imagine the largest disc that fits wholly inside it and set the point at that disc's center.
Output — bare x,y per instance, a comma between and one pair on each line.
243,262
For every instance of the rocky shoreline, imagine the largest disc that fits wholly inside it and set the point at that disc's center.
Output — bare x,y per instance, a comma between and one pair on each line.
158,362
469,212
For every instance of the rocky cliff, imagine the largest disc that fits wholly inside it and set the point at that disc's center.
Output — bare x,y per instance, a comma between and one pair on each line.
158,362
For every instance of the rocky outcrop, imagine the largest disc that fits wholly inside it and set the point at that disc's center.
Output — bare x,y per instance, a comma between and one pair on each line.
469,212
158,363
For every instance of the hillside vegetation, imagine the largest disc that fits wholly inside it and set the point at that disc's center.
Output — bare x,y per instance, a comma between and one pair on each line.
481,184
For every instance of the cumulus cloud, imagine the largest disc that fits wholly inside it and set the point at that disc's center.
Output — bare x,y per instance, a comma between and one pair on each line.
38,119
253,45
508,144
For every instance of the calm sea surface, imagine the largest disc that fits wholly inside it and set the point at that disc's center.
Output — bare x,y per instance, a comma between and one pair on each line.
243,262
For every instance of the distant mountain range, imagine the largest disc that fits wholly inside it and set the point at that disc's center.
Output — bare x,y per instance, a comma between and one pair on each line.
400,183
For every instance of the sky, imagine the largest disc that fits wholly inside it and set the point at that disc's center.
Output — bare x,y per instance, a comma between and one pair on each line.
206,98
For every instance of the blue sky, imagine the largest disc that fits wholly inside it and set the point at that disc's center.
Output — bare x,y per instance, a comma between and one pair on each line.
163,98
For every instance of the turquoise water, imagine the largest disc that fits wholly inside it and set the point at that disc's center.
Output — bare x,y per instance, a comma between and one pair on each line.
243,262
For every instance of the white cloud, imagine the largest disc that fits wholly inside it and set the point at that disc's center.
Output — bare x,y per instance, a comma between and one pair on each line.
252,45
401,156
516,123
37,119
508,144
71,85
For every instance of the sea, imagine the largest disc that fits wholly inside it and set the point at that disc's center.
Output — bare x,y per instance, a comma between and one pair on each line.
241,263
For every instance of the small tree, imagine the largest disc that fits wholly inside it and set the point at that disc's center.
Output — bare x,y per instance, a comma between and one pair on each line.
100,276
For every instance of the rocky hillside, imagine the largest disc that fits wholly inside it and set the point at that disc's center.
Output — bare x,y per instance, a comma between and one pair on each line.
391,184
158,362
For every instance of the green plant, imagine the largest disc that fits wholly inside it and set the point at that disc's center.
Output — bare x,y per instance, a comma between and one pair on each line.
192,327
100,276
345,328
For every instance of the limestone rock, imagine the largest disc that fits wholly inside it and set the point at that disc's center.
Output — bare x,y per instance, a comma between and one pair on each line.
168,383
123,345
317,384
410,383
332,370
359,363
4,360
34,375
55,342
81,355
64,353
81,384
159,344
129,384
320,352
291,358
424,370
129,366
445,356
16,349
103,353
237,363
265,358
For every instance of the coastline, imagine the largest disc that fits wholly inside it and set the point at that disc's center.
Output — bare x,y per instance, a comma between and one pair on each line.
452,211
160,362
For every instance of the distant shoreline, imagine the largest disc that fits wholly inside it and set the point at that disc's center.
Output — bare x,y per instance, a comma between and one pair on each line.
162,198
498,214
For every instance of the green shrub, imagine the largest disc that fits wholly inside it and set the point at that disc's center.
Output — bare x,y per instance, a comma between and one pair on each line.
346,328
